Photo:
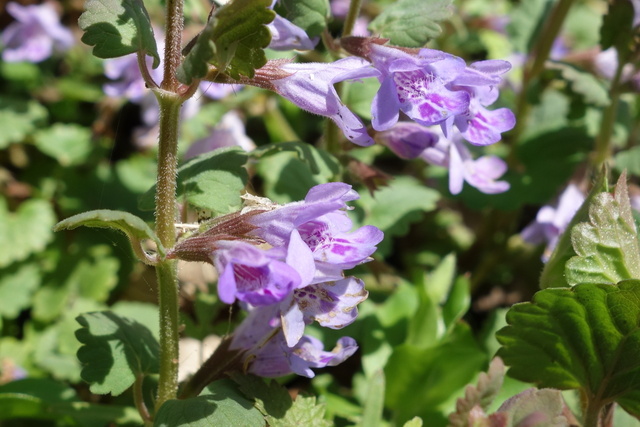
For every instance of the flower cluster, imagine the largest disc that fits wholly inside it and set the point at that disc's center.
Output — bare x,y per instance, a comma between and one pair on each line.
285,265
429,87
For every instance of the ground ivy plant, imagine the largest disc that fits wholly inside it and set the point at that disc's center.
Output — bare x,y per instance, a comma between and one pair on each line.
318,213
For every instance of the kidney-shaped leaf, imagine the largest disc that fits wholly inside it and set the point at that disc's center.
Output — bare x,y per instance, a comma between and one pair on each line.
115,350
586,337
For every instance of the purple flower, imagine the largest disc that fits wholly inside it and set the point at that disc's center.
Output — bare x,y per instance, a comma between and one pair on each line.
287,36
252,275
35,34
229,132
481,173
268,355
415,85
407,139
332,304
218,91
310,87
552,221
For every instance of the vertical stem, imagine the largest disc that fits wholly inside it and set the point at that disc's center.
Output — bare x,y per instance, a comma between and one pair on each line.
166,271
537,58
603,140
592,414
173,44
352,15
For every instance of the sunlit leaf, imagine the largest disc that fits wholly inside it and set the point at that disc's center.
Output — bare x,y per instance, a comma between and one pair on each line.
233,40
411,23
212,181
17,284
115,350
25,231
117,28
310,15
19,118
69,144
135,228
607,246
586,337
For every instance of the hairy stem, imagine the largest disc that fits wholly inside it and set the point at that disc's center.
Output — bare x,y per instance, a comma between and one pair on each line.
166,271
173,45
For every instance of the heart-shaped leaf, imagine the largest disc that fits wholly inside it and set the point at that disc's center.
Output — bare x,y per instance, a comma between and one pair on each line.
586,337
117,28
115,351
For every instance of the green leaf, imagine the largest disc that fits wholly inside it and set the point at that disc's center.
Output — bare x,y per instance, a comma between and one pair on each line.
629,160
17,284
69,144
419,379
45,399
220,404
19,118
306,411
553,274
233,40
269,397
374,403
607,246
212,181
582,83
134,227
617,28
117,28
26,231
310,15
393,208
586,337
288,171
115,350
411,23
84,274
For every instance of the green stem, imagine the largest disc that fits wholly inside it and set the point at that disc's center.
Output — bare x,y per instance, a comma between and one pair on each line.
173,45
166,271
603,140
138,400
592,414
350,19
537,58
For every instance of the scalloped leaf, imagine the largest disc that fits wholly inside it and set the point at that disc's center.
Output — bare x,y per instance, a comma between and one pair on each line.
607,246
586,337
212,181
220,404
233,40
310,15
269,397
118,27
617,28
115,350
393,208
412,23
134,227
553,274
25,231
